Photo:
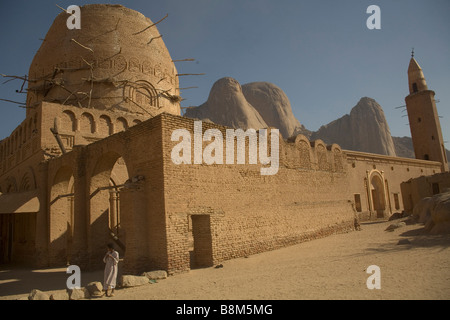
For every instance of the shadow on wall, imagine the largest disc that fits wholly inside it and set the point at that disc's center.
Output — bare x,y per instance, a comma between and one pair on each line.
63,251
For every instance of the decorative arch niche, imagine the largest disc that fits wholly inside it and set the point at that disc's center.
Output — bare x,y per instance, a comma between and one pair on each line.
142,93
377,193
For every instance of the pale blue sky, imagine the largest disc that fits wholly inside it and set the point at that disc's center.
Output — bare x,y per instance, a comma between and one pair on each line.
319,52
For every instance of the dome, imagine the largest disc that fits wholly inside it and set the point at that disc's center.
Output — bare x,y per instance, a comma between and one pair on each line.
115,61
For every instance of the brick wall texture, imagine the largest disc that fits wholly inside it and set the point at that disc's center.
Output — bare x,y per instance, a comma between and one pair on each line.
181,216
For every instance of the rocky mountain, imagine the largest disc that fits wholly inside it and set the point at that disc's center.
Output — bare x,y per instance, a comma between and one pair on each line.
364,129
404,147
273,105
262,104
226,105
254,105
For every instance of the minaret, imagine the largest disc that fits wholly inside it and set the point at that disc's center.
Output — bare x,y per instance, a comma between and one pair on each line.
423,118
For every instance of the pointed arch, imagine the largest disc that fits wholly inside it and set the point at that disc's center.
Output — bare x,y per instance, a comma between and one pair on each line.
109,172
61,216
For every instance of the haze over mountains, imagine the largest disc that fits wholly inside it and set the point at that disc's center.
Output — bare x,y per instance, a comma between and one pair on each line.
262,104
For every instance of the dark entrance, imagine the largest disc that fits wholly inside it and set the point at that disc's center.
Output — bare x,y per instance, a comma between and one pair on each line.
435,187
201,255
378,196
6,234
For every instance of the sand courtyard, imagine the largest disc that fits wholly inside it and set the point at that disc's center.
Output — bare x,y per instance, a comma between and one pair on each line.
329,268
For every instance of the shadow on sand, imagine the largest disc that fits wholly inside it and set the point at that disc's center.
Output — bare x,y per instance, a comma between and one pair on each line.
16,280
415,238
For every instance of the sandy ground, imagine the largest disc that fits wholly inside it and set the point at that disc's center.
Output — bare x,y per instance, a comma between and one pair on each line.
329,268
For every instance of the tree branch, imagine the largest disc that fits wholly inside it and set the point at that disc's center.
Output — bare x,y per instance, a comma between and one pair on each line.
151,25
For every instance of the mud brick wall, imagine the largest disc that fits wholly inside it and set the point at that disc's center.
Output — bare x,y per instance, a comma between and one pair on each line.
89,169
142,203
250,213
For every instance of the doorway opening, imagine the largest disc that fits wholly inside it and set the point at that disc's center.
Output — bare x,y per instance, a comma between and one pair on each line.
378,196
201,254
6,237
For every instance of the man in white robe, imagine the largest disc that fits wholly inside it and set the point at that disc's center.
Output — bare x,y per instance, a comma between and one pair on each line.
112,260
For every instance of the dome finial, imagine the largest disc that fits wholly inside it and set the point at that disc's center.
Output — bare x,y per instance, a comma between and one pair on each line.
412,53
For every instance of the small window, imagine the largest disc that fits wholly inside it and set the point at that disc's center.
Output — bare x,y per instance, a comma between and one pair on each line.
419,120
432,137
358,202
396,201
415,87
426,157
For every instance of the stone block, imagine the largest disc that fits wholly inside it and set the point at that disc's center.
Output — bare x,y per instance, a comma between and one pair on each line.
95,289
77,294
36,294
59,295
155,275
133,281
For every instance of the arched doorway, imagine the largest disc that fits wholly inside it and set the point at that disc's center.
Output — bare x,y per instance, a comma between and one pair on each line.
110,173
378,194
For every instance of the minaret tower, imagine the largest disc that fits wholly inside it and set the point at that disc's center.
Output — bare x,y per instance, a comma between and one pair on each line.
423,118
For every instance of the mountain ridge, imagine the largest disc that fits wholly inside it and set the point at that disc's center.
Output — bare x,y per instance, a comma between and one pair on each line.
262,104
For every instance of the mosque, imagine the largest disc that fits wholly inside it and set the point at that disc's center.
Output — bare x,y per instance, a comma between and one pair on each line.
91,163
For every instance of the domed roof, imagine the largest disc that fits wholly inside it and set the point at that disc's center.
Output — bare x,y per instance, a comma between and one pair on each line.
115,61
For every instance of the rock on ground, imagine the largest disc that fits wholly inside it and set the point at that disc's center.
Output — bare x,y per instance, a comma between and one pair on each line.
403,242
396,216
95,289
422,210
59,295
38,295
434,212
133,281
394,226
77,294
155,275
